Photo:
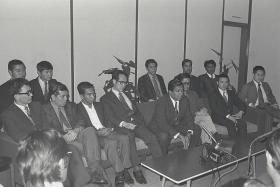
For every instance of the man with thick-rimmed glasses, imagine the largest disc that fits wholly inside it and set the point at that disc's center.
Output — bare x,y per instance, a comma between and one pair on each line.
23,116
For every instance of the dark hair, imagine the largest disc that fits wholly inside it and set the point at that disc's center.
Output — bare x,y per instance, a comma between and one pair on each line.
186,61
223,75
82,86
182,76
13,63
117,73
44,65
209,62
17,84
39,155
173,84
273,147
150,61
56,86
258,68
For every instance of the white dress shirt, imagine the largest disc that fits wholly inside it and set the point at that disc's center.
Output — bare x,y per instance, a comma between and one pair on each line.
222,93
93,116
42,85
21,107
211,76
263,93
174,103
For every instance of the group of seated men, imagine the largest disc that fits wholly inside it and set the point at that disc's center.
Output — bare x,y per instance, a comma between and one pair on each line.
113,123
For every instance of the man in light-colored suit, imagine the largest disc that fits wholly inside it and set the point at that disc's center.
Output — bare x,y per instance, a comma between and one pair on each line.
258,95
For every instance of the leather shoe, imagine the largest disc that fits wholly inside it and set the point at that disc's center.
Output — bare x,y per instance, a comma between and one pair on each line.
119,181
139,177
127,178
98,178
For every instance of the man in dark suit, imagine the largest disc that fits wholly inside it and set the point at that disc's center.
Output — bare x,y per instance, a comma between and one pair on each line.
122,115
23,116
151,86
258,96
62,116
222,102
172,118
195,81
208,81
93,115
40,85
16,69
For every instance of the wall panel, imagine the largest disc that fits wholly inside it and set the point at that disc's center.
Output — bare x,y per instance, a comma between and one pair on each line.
35,30
203,32
161,35
102,29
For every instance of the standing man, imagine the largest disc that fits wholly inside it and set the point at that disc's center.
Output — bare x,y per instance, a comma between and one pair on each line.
40,86
222,102
151,86
208,81
122,115
93,115
16,69
62,116
172,118
195,81
258,96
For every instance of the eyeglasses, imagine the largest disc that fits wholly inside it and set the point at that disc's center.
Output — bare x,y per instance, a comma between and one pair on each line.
29,93
123,82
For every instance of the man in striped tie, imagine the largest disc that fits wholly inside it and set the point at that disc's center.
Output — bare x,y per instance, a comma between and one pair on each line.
23,116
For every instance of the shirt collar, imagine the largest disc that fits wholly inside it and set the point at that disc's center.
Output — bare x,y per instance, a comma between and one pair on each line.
257,83
86,106
172,100
41,81
22,107
222,91
209,75
116,92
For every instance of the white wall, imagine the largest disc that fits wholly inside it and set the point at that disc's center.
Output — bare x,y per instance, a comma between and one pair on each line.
102,29
161,35
203,32
32,31
265,41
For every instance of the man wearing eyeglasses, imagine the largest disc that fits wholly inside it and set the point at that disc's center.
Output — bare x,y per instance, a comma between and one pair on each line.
122,115
23,116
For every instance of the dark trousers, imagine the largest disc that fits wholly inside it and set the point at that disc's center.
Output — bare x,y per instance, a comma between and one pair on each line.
234,130
147,136
164,138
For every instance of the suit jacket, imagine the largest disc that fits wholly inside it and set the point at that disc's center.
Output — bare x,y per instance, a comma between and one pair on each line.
6,99
165,117
146,88
52,120
207,85
17,125
220,109
196,85
84,115
115,112
37,90
249,93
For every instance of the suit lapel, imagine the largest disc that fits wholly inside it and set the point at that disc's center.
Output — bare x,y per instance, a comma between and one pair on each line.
117,101
38,88
53,117
19,112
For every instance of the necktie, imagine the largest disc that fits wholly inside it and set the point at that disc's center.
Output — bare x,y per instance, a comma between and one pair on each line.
176,107
260,95
122,100
63,120
46,88
225,97
156,87
27,110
